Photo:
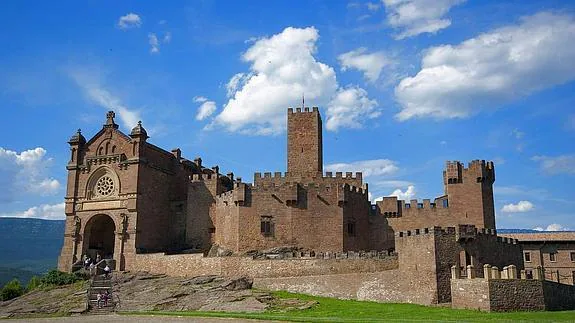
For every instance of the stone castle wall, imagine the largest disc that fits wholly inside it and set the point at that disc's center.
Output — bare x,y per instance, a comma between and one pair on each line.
190,265
501,295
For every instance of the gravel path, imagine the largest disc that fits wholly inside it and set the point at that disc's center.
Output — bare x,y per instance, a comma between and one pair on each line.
133,319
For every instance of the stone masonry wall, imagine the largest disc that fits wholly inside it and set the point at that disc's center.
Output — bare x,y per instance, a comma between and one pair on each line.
502,295
190,265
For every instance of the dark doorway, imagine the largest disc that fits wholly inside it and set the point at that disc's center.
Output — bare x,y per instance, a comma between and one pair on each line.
99,237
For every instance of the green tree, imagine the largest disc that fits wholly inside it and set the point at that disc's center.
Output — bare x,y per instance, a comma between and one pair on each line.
34,283
58,278
12,290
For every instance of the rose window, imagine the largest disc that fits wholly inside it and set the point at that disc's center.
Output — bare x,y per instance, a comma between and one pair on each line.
104,186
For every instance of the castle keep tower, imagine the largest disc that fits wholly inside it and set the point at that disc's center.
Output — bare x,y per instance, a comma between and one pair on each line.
470,192
305,151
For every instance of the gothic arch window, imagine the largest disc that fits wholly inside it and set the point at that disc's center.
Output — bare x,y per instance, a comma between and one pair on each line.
103,184
101,151
113,149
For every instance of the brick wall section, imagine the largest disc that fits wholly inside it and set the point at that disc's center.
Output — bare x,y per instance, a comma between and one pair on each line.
558,296
502,295
196,265
470,294
427,254
377,286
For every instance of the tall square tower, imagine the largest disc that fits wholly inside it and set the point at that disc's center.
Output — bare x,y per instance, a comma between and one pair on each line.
305,150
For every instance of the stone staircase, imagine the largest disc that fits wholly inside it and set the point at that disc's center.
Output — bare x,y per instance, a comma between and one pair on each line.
100,284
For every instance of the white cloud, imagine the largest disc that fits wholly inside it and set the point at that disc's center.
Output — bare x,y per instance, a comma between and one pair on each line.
44,211
373,6
406,195
200,99
552,227
414,17
206,109
374,167
283,69
370,64
128,21
490,69
521,206
167,37
25,172
96,93
235,83
564,164
154,43
349,108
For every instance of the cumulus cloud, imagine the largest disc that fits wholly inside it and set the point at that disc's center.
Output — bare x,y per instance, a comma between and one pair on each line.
129,21
282,69
414,17
374,167
564,164
44,211
206,109
349,108
521,206
96,93
370,64
154,43
552,227
490,69
407,195
25,172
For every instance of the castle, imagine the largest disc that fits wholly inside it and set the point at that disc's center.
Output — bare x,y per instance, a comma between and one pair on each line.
151,209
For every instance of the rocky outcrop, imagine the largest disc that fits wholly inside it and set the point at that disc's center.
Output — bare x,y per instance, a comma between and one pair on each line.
151,292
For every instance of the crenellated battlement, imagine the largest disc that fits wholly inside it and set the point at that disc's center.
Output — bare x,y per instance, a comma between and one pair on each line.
305,110
460,233
258,176
476,171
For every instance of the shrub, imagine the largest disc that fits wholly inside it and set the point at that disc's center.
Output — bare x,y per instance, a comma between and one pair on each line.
12,290
58,278
34,283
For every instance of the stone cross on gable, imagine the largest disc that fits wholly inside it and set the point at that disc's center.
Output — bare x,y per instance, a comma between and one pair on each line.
110,117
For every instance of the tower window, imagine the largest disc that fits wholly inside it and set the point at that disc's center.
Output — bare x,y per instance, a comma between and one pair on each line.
572,256
266,226
351,229
527,257
445,203
553,256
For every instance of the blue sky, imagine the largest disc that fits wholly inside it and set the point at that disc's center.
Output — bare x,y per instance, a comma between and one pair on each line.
402,86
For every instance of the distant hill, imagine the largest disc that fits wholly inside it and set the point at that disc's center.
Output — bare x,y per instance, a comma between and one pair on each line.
28,247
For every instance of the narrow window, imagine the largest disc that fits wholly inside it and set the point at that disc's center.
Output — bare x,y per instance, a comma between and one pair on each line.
113,149
407,205
212,230
445,203
529,274
266,226
351,229
552,257
573,256
527,256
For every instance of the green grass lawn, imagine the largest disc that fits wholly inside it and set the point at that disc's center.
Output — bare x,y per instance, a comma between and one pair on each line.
335,310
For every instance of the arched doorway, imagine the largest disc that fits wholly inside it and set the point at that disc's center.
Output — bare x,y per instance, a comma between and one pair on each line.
99,236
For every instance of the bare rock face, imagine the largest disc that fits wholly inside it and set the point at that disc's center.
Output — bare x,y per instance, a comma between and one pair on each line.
152,292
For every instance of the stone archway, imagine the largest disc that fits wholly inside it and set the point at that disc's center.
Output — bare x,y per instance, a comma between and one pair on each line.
99,236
